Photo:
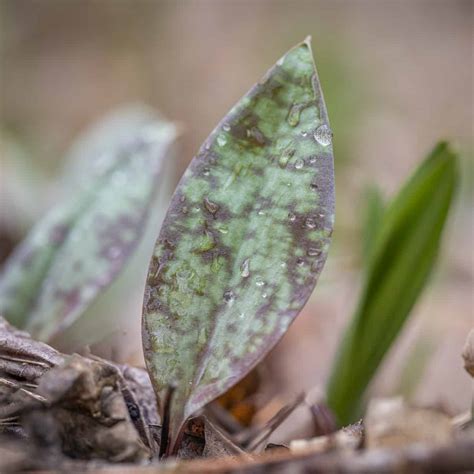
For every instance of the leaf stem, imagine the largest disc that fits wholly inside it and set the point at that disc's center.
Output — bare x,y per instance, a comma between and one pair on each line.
165,429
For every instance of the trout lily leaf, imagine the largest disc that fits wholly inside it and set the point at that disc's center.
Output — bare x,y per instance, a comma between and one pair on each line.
244,240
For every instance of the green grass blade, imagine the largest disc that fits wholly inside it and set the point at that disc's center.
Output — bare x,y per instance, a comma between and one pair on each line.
371,219
405,250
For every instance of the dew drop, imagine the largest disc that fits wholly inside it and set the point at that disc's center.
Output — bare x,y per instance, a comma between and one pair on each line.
283,161
226,127
255,134
299,163
283,264
261,212
310,223
229,297
264,295
293,118
304,133
223,229
313,252
241,315
222,141
323,135
212,207
281,61
292,217
285,157
245,268
259,281
205,171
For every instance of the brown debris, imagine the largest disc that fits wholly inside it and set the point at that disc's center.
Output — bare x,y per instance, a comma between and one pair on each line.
349,438
87,414
468,353
218,444
391,423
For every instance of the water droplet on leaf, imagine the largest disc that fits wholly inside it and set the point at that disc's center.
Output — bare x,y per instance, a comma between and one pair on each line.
299,163
221,140
285,157
226,127
323,135
245,268
229,297
212,207
313,252
259,281
293,118
310,223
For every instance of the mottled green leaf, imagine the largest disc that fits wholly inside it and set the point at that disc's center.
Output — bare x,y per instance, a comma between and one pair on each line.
80,246
405,250
245,237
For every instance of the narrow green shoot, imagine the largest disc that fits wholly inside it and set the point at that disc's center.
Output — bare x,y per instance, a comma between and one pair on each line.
401,260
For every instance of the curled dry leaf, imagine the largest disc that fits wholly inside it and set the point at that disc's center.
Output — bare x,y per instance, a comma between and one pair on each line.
244,239
81,245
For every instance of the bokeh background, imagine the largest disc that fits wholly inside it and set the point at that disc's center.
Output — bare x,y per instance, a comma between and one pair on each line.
397,76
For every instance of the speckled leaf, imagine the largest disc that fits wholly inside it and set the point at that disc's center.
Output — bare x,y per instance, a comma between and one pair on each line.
245,237
80,246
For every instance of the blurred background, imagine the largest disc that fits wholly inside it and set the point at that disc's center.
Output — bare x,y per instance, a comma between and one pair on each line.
397,76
